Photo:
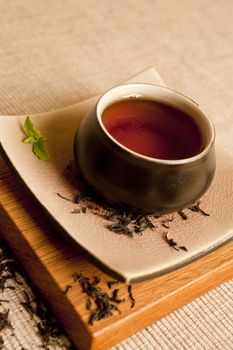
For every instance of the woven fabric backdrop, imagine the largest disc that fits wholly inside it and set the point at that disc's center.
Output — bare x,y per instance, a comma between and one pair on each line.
55,53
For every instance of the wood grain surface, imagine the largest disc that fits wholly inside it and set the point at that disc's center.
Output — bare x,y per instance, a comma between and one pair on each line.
50,261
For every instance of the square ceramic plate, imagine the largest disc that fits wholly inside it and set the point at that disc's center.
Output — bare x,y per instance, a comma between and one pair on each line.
129,259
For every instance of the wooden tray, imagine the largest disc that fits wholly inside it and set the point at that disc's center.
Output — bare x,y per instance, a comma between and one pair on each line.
50,261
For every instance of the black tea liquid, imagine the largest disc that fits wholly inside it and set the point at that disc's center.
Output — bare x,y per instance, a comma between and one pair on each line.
153,129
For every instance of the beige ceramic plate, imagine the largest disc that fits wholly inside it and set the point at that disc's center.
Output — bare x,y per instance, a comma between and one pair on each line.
130,259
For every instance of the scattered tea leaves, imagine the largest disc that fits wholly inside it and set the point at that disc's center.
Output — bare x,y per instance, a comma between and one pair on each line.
80,197
104,306
182,215
3,280
67,288
170,241
103,310
47,326
88,304
120,228
133,301
8,270
115,297
128,223
4,322
96,280
1,342
183,248
110,284
166,222
63,197
10,273
196,208
27,304
141,222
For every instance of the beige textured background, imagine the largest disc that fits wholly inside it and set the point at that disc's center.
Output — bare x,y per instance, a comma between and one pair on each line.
56,53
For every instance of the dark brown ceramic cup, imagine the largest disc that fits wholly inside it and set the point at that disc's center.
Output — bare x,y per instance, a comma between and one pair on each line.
134,181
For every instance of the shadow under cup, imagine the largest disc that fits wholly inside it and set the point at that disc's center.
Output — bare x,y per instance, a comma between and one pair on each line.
146,148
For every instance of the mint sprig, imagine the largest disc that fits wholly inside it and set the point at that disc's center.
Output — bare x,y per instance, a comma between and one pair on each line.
34,136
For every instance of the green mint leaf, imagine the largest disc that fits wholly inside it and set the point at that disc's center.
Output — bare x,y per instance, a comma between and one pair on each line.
30,139
40,150
34,136
30,130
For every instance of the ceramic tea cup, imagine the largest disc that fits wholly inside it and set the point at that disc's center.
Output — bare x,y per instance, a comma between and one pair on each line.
130,174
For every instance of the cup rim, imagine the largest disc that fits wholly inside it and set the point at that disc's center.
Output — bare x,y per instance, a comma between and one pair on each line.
153,159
